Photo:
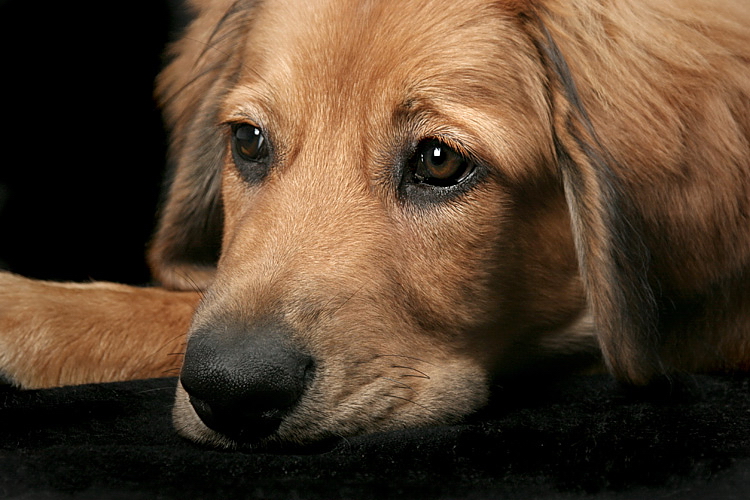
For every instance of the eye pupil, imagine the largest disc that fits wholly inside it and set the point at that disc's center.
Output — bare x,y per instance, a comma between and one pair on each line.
439,165
249,143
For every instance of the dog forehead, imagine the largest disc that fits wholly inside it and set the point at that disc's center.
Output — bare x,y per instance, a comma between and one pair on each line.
330,52
342,77
331,28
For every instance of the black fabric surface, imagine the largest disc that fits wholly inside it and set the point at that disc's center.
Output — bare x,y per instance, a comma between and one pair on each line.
582,438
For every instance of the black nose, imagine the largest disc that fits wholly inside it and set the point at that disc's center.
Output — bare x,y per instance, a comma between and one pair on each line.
243,382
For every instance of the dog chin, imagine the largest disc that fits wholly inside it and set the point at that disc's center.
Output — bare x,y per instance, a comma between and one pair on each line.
312,425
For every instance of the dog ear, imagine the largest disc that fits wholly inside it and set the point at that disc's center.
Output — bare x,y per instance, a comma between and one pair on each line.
607,228
187,242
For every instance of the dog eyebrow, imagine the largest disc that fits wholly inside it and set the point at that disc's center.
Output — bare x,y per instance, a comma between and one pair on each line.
246,103
419,116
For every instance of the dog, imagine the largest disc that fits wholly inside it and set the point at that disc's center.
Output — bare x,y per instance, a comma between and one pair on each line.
377,207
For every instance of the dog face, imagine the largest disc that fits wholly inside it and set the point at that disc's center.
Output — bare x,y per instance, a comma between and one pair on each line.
385,206
390,214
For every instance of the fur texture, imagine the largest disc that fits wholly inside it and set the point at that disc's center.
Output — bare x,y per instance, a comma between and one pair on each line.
604,214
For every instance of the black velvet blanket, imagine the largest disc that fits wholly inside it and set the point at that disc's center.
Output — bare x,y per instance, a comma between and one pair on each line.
579,438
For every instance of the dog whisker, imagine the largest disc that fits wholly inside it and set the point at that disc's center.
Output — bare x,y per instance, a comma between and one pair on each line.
341,306
330,310
186,276
400,384
421,373
410,401
157,389
404,357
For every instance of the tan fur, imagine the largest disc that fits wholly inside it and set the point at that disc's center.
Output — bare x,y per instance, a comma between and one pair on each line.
613,138
69,333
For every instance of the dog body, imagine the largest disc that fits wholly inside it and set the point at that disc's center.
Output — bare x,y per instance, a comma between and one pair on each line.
383,205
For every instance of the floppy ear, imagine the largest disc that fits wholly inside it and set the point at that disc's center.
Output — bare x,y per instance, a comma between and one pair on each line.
613,258
187,241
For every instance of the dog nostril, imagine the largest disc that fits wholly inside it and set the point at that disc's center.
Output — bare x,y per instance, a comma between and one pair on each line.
242,423
255,412
243,385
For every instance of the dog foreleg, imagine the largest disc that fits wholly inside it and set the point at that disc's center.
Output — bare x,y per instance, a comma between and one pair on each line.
55,334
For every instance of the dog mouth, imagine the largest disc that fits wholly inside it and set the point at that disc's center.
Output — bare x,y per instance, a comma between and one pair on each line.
310,412
257,390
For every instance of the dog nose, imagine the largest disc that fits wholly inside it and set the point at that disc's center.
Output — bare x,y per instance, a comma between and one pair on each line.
243,382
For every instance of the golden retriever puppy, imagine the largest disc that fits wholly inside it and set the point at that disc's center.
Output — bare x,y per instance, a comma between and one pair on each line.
377,206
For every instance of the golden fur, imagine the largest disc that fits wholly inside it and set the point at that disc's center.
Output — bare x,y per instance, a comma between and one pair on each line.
607,215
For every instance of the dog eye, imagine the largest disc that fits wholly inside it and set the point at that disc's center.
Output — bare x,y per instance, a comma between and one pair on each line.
437,164
249,143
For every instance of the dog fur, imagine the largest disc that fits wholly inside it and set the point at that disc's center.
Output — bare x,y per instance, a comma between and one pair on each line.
605,218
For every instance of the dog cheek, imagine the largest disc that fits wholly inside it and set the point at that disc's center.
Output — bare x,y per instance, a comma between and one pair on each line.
458,388
445,279
453,388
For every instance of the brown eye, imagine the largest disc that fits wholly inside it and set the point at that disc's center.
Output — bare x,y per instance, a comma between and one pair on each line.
251,152
249,143
437,164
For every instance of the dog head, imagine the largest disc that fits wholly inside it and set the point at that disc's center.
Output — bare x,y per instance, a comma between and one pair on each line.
380,203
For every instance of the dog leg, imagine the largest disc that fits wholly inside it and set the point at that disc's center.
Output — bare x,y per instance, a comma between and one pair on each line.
55,334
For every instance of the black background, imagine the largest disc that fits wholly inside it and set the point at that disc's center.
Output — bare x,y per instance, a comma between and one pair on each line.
83,145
